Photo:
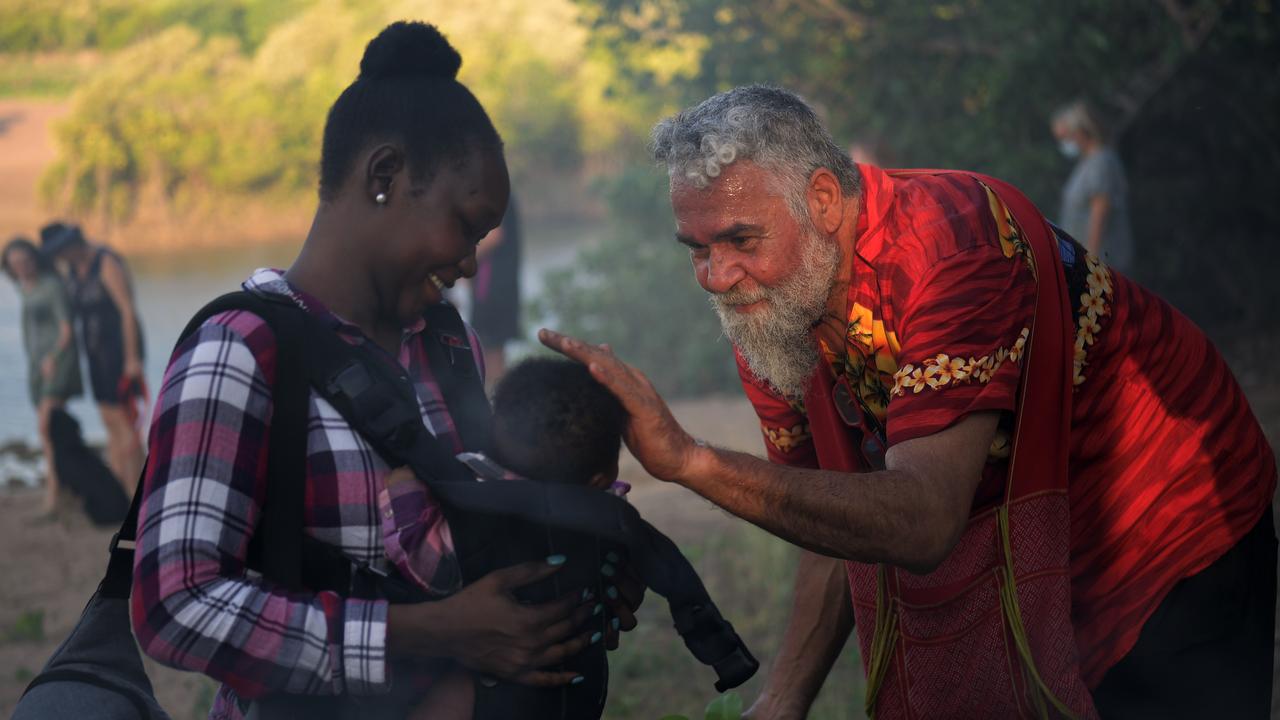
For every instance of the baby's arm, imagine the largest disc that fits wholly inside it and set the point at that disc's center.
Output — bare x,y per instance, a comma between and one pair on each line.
416,535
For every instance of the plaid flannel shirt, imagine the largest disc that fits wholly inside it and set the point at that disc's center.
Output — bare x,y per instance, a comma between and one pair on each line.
194,605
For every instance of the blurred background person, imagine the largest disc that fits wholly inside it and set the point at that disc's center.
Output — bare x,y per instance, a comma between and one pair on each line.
1095,200
102,299
53,368
495,292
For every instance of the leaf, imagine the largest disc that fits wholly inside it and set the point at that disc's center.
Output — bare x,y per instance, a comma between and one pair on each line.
725,707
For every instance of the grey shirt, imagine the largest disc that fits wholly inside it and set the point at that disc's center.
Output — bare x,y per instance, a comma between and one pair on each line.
1100,173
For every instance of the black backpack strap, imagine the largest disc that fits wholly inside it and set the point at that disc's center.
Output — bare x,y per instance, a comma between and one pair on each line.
282,516
453,363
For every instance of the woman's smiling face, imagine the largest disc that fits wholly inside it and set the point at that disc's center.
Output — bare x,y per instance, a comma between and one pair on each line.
435,227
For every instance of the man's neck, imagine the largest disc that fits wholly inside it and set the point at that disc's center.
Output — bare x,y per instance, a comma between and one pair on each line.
835,320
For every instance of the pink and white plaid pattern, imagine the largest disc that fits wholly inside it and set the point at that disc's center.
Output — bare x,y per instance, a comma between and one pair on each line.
194,605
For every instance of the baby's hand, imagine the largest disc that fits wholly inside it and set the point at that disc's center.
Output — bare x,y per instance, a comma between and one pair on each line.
400,476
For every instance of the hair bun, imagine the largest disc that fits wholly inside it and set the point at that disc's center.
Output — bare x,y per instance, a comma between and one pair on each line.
410,49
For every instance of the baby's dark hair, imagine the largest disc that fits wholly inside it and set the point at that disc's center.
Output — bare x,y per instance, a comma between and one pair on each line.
553,422
406,92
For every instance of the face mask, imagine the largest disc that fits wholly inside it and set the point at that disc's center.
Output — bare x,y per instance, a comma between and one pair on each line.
1069,148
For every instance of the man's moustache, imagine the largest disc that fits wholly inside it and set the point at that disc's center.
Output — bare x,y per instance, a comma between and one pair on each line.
740,297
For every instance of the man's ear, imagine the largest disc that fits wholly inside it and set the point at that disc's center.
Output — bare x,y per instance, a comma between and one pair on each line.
383,165
825,200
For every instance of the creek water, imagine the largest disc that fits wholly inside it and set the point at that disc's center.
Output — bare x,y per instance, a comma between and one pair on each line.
171,287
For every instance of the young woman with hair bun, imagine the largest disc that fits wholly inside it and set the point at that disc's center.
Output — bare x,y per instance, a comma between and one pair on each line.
412,176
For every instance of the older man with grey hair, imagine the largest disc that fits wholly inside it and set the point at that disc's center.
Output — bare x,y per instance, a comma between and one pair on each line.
975,430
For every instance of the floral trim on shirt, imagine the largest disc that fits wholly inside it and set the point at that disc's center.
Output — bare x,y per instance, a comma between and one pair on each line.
1094,305
786,439
1011,240
866,360
942,369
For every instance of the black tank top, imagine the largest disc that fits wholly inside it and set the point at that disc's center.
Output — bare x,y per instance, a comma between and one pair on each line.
101,326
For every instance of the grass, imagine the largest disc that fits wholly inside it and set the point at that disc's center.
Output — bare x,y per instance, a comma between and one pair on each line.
44,75
29,627
749,574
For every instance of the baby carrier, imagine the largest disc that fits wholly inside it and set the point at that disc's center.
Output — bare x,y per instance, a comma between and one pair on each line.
494,525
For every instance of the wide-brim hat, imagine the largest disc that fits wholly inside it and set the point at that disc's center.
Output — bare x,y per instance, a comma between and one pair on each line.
56,237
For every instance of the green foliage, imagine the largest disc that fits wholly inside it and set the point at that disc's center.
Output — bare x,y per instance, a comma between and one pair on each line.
725,707
937,84
635,290
26,75
230,99
749,573
69,25
29,627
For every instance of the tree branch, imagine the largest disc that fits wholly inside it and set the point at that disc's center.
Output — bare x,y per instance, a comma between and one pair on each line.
1194,29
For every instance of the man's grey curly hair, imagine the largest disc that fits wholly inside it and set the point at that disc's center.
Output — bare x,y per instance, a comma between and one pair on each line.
770,126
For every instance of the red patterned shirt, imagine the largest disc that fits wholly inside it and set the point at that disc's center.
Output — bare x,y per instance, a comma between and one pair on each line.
1168,467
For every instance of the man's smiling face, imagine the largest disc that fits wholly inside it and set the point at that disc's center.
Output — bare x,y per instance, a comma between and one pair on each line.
768,272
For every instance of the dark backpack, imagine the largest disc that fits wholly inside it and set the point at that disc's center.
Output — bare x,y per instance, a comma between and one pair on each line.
493,524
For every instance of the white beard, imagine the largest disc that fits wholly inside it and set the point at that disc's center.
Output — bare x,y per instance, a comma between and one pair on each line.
776,339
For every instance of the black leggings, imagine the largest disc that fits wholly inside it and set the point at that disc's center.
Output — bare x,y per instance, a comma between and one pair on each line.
1207,650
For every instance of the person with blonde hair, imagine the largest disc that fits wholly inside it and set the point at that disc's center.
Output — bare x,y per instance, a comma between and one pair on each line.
1095,202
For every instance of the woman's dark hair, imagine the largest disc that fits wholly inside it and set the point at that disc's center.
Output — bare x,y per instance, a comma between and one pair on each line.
407,92
22,243
553,422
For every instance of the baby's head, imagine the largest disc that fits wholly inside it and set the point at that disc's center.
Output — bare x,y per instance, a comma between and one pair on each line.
553,422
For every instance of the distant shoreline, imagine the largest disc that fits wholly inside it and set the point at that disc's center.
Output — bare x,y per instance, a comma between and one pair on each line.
157,228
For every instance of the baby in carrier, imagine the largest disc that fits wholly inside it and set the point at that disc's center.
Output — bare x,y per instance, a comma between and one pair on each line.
552,422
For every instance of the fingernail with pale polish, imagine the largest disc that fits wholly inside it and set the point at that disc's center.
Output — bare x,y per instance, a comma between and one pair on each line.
611,557
612,592
577,680
596,638
587,594
607,571
616,623
556,559
598,609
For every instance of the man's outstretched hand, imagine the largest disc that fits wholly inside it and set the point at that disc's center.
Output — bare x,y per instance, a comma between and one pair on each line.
653,435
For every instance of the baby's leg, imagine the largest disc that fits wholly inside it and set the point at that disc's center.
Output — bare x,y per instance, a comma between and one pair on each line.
451,697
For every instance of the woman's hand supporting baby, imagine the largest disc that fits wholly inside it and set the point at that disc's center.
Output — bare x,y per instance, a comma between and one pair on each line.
484,629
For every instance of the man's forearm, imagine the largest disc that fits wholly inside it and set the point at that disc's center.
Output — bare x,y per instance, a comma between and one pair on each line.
868,517
821,619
